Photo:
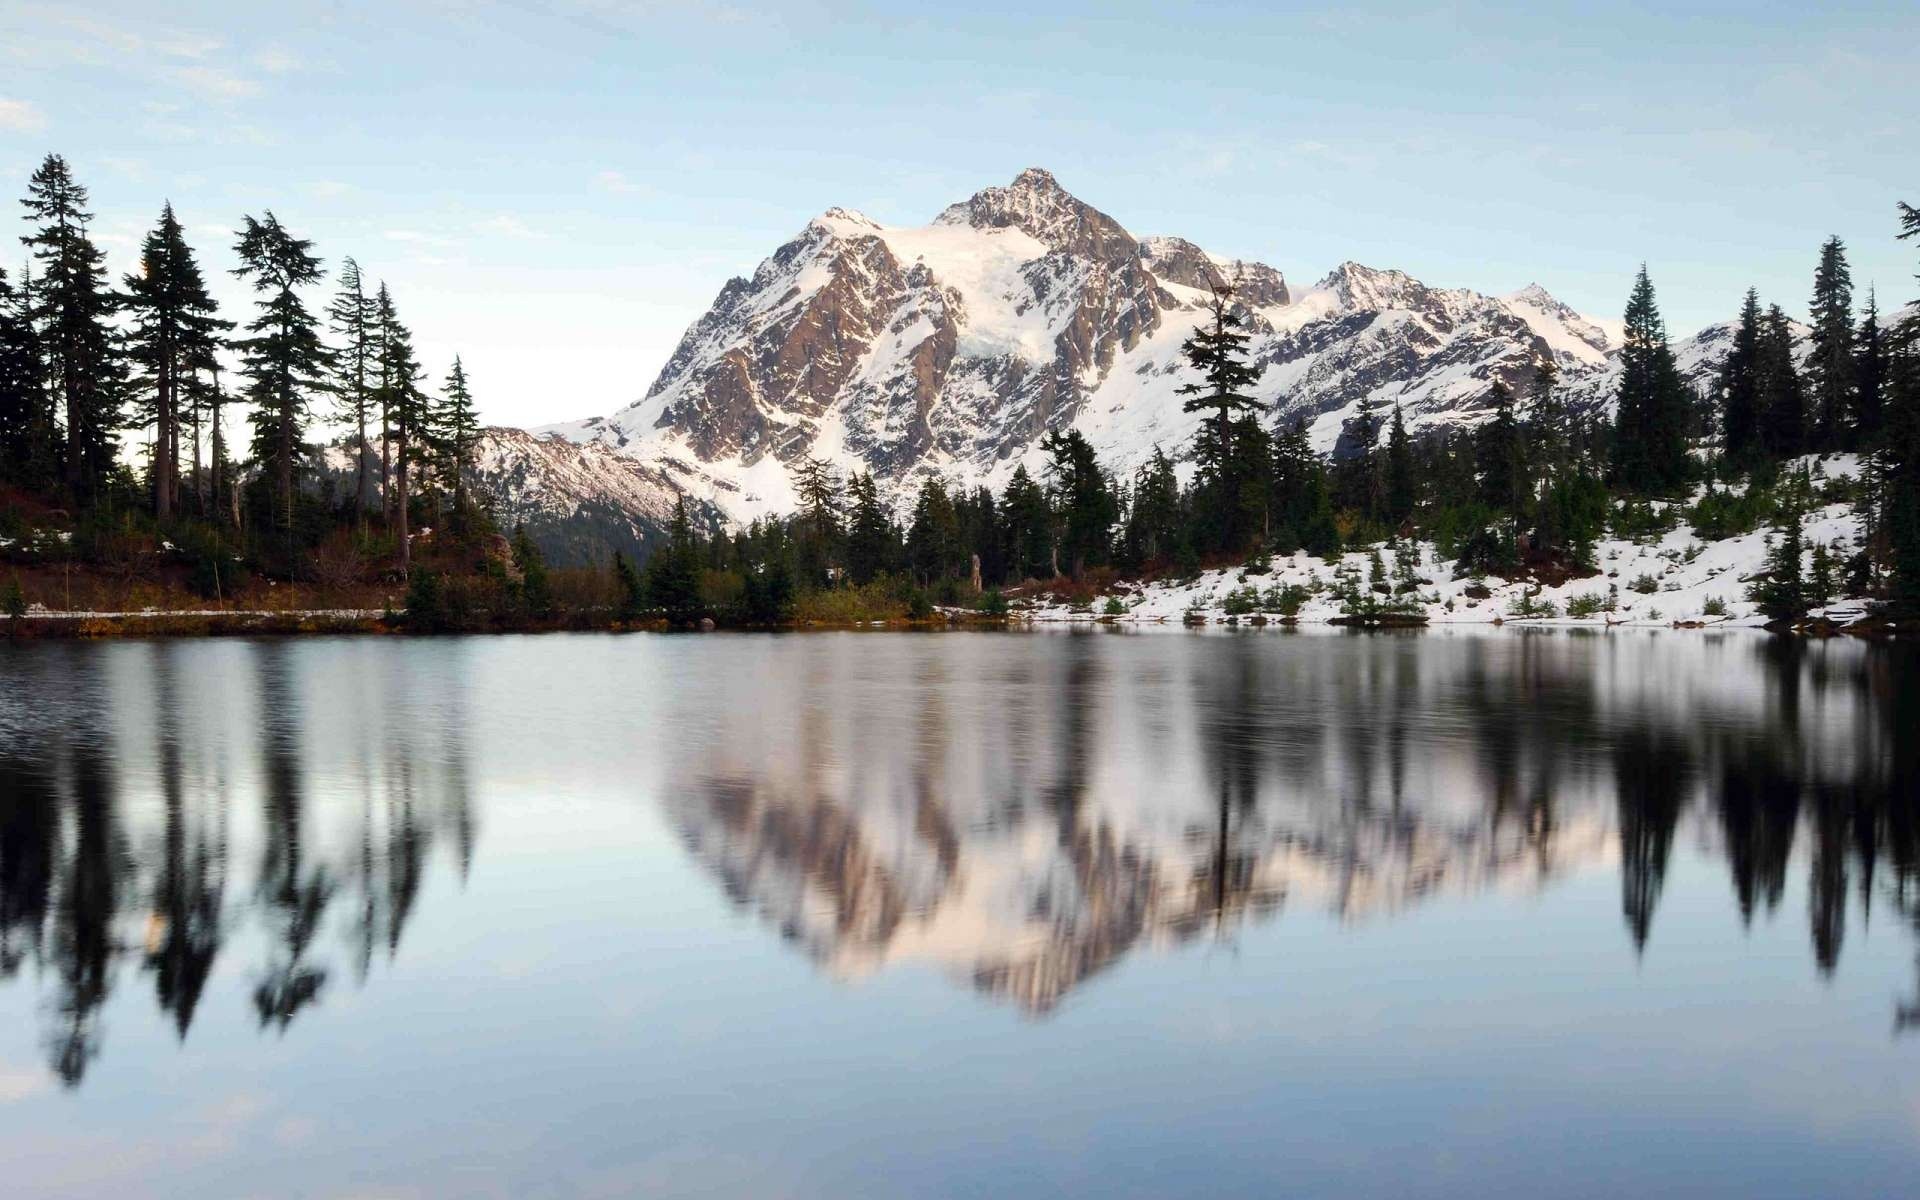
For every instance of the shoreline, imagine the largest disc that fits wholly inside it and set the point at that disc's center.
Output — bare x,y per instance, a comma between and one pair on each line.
98,626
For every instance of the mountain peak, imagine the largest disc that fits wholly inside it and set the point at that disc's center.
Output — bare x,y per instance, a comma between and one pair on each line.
1037,179
1037,205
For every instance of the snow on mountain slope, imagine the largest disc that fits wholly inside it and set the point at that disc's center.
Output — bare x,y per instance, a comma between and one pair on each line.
579,501
952,348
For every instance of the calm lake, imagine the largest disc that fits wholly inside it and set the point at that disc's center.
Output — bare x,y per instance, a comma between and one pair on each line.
1459,913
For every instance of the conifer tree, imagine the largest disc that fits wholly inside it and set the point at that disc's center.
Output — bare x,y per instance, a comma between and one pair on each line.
1547,434
173,329
1899,465
1783,402
1218,352
933,539
29,437
1402,487
406,414
870,533
1153,517
353,317
1740,402
1649,440
1830,380
286,362
673,571
456,433
1083,500
631,590
1028,521
1303,503
1500,456
72,308
817,488
1869,375
1361,473
1783,594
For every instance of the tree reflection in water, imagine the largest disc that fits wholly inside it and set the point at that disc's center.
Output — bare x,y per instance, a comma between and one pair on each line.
1023,813
102,876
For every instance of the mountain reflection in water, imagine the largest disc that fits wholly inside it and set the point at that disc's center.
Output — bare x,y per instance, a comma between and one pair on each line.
1021,811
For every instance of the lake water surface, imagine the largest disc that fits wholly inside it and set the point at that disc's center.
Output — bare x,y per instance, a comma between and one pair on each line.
1456,913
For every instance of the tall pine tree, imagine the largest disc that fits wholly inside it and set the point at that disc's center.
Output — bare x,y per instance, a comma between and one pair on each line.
1830,380
456,434
1740,404
1403,486
173,330
1649,440
286,362
29,436
1783,401
72,310
353,318
1869,375
406,415
1218,351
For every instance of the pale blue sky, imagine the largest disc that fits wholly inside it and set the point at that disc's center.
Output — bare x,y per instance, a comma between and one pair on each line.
556,188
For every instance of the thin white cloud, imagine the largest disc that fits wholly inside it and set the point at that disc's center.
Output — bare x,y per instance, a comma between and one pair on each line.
414,237
329,189
276,61
505,225
617,181
217,82
21,116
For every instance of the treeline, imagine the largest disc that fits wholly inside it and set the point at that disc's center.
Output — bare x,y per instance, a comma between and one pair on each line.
84,362
1532,488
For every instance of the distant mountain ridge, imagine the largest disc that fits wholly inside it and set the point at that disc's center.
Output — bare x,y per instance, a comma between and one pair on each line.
951,349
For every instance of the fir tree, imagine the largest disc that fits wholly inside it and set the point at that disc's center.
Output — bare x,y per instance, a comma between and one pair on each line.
1899,459
353,318
72,308
1830,380
1740,402
1028,522
870,534
1361,467
1218,352
1869,375
29,437
632,592
1783,594
673,572
406,417
817,487
173,329
1303,503
1154,516
933,538
1649,441
1500,456
1546,430
536,591
1083,501
1783,403
286,361
456,433
1402,486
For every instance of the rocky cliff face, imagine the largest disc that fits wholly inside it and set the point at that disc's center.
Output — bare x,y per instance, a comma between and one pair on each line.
580,501
952,348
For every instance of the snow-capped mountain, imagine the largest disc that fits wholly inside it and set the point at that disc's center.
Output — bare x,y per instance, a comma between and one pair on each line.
952,348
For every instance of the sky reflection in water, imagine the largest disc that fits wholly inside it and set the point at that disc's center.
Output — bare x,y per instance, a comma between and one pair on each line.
1456,913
